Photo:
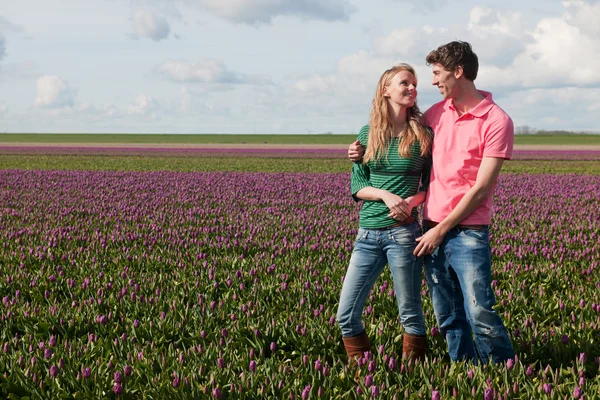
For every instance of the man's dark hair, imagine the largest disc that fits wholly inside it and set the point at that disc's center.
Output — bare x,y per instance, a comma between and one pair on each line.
453,55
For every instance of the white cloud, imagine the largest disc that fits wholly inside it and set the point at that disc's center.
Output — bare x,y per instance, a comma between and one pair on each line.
2,46
537,107
148,24
7,26
192,102
53,92
425,6
560,55
497,36
93,112
206,71
144,105
255,12
585,16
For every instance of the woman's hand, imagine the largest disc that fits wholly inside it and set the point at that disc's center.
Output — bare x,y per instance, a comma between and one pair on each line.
400,209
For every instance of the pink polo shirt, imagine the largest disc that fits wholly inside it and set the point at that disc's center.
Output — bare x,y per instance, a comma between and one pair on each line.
459,145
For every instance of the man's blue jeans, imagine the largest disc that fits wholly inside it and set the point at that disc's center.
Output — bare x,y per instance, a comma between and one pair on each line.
374,248
459,279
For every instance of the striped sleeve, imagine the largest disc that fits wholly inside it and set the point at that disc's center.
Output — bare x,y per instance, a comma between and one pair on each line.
360,176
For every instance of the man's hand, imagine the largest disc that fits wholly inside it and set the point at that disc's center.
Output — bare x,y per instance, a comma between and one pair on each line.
399,208
356,151
429,242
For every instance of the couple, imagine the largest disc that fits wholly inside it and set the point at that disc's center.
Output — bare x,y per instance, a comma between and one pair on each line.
454,171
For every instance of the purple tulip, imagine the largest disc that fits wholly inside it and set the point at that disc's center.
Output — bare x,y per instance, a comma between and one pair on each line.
118,377
371,367
252,366
369,380
374,391
435,395
53,371
577,393
510,363
392,363
306,392
47,353
488,394
318,365
117,388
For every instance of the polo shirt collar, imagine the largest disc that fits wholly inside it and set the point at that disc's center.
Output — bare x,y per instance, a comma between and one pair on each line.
480,109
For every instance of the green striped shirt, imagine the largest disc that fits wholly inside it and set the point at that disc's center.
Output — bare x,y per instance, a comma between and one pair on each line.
396,174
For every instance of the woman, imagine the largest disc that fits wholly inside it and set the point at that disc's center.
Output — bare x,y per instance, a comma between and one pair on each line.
391,180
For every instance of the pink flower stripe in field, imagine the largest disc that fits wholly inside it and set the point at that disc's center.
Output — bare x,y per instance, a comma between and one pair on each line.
181,151
556,155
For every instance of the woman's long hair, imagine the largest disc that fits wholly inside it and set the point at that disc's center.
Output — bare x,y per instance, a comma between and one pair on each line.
381,125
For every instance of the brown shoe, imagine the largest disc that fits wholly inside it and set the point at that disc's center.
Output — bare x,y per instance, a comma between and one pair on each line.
357,345
414,347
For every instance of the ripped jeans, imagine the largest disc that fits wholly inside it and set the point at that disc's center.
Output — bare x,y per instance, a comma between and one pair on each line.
459,279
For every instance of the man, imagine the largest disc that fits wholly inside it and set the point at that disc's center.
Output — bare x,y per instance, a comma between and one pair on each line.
473,137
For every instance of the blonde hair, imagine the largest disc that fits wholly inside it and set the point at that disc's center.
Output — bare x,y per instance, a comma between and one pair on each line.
381,125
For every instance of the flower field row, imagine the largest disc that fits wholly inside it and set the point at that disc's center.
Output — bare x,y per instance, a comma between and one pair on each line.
225,285
211,152
257,152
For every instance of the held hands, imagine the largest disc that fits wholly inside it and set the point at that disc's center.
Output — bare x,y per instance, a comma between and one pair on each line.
400,209
356,151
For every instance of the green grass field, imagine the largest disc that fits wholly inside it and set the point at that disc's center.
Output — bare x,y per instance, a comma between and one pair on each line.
570,139
250,164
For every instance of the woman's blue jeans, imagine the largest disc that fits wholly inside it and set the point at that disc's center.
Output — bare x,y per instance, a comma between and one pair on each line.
373,249
459,279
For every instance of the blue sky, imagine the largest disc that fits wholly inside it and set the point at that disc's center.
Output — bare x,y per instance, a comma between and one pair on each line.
281,66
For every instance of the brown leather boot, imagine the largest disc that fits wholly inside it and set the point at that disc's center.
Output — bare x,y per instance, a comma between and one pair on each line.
357,345
414,347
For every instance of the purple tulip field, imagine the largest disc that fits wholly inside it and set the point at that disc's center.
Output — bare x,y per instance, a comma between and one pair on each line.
199,285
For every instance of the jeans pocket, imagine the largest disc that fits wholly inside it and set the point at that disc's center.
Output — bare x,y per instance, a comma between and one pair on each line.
362,235
405,235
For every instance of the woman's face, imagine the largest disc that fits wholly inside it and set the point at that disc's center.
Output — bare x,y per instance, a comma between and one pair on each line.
402,89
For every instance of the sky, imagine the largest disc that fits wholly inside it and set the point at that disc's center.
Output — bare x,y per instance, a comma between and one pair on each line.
282,66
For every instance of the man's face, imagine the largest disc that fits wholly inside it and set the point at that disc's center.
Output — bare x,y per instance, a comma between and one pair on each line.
445,80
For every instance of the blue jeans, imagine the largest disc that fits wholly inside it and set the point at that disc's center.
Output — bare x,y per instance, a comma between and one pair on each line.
374,248
459,279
